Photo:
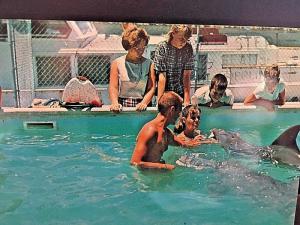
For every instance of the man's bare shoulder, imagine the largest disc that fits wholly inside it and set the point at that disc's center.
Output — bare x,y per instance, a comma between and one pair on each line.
149,128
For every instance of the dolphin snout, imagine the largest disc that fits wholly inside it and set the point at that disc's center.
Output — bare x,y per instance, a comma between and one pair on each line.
212,133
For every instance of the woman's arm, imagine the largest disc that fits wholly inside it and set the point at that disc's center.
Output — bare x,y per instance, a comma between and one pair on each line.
186,86
161,85
150,90
249,99
114,87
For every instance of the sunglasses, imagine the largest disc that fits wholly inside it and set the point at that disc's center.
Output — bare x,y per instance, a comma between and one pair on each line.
195,117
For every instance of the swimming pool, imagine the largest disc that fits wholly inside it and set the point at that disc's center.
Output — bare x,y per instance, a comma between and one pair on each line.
77,172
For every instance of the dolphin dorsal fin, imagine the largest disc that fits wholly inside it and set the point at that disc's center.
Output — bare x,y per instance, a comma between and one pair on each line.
288,138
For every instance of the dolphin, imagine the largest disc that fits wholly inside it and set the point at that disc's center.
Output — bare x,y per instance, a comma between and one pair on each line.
283,150
231,176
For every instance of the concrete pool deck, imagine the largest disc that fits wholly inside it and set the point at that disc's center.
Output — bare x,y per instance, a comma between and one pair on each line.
105,108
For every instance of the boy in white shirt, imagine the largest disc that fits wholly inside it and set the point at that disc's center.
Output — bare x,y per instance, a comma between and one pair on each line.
215,95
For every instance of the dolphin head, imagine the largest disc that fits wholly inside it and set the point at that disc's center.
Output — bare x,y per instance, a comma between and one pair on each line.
226,138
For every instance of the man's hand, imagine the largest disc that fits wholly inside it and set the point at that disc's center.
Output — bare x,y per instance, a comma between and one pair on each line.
167,166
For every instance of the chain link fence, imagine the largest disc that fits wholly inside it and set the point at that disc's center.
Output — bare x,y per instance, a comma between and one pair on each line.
40,57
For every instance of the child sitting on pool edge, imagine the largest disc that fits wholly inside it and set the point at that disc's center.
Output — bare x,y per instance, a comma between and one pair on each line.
215,95
188,123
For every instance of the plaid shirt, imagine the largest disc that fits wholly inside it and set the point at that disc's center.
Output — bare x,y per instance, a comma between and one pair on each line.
129,102
173,62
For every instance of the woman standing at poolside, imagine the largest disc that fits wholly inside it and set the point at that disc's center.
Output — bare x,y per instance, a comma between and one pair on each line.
132,76
174,62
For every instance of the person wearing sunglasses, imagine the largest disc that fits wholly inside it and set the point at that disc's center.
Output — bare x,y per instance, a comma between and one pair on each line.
270,92
215,95
188,123
132,76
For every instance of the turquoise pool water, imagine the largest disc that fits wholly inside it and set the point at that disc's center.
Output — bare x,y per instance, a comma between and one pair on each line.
79,173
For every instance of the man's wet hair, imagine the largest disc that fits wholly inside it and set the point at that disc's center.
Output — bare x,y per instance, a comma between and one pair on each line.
167,100
219,81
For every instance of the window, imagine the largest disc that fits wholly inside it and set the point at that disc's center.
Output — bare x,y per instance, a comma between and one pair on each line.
50,29
53,71
95,68
239,59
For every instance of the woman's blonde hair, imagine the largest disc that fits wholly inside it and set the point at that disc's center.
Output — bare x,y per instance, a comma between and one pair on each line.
180,28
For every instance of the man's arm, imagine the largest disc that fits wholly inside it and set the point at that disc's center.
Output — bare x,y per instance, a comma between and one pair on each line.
141,149
186,86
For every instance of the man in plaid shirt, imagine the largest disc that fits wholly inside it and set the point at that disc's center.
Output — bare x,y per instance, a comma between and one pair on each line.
174,62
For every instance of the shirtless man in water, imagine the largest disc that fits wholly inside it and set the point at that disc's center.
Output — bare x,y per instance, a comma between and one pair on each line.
154,137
